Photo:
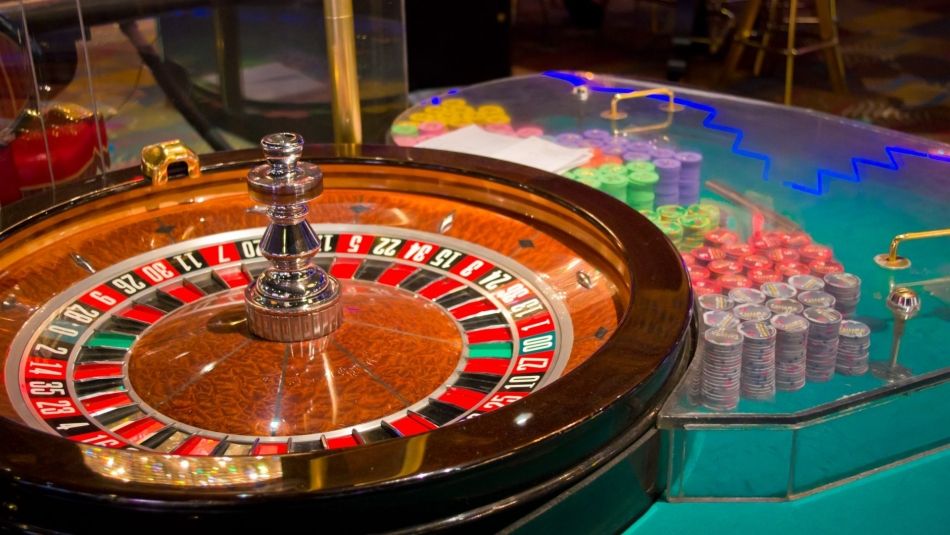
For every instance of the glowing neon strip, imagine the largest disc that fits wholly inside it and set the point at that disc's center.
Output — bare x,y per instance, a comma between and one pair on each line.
823,175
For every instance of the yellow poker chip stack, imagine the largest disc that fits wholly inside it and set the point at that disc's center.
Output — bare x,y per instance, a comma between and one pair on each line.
457,113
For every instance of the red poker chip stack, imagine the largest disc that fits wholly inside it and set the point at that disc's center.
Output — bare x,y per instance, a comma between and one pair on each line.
724,267
705,254
756,261
782,254
813,252
720,237
738,251
688,259
792,267
766,240
824,267
706,287
731,281
698,273
798,239
761,276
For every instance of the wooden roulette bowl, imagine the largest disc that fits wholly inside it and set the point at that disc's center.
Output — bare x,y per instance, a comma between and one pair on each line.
506,332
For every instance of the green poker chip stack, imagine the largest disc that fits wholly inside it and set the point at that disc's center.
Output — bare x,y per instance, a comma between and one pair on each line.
635,166
670,213
613,181
709,211
404,129
673,231
694,228
640,189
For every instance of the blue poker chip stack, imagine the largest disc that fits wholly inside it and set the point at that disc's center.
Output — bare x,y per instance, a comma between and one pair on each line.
822,348
854,344
691,163
758,360
790,361
668,188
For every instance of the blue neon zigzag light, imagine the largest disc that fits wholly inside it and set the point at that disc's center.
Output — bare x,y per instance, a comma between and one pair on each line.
823,175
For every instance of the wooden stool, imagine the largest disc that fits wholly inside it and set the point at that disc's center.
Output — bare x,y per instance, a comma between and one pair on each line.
746,36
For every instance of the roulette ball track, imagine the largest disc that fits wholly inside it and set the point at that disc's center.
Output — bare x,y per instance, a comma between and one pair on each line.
505,334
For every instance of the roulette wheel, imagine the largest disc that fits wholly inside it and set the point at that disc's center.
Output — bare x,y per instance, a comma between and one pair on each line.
450,341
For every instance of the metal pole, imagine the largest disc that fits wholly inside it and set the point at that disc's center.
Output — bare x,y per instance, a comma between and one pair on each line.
341,50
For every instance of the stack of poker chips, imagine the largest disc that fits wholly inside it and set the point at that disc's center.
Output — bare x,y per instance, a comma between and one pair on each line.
711,319
790,361
822,348
710,211
742,296
816,298
846,288
641,181
785,306
758,360
613,180
691,162
668,187
804,283
721,369
695,227
752,312
854,344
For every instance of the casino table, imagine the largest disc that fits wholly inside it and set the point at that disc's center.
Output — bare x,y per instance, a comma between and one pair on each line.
398,338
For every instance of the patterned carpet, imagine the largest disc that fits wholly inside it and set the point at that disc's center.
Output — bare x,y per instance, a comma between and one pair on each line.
895,53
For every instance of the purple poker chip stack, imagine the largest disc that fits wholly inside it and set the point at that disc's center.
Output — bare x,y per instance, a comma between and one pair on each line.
662,153
598,134
668,188
641,146
690,176
822,347
612,148
758,360
569,139
721,369
634,156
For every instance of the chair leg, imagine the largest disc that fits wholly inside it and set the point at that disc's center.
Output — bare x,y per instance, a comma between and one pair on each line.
789,49
828,29
743,31
766,37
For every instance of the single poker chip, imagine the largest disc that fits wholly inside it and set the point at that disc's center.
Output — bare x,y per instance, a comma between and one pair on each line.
806,282
724,267
755,261
798,239
791,323
706,287
782,254
737,251
778,290
765,241
762,276
825,267
698,272
705,254
751,312
716,302
813,252
791,268
746,295
785,306
732,281
816,298
719,319
720,237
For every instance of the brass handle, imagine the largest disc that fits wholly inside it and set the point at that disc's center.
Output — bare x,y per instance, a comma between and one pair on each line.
615,114
157,158
891,260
